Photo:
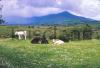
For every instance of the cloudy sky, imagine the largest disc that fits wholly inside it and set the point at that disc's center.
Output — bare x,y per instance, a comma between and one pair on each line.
31,8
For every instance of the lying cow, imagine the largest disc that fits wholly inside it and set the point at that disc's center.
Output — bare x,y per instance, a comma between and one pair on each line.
58,42
39,40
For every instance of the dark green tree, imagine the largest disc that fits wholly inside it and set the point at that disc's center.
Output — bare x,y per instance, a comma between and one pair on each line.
75,34
55,29
1,19
87,32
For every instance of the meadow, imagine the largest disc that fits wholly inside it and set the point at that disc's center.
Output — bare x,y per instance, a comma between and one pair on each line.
74,54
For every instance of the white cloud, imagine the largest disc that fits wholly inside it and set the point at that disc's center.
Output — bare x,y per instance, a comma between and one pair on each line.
13,8
30,11
89,9
29,8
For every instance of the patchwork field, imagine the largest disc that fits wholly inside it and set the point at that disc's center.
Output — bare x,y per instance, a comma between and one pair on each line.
75,54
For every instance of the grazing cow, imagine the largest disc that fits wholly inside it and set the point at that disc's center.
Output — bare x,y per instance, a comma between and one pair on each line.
20,34
58,42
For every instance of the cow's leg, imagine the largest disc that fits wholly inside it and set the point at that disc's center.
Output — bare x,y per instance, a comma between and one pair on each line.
25,37
19,37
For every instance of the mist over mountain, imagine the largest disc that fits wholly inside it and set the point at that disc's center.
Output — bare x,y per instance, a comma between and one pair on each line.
60,18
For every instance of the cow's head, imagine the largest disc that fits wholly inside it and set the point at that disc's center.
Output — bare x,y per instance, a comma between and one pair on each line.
16,33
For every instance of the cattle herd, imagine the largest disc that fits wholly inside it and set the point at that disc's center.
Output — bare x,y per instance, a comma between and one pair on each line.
38,39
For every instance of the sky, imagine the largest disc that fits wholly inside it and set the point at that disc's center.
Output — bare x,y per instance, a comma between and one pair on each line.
33,8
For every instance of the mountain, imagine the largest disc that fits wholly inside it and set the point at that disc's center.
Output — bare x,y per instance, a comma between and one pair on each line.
60,18
15,20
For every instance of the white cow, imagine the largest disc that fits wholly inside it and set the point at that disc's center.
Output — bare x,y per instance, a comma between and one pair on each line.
20,34
58,42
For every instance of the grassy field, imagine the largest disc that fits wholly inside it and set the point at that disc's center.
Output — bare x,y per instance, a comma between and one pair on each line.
23,54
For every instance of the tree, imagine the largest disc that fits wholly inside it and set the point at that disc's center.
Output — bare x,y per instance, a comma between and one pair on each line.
55,29
64,35
87,32
76,34
1,19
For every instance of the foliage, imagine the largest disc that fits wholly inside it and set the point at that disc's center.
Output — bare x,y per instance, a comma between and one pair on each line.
65,33
23,54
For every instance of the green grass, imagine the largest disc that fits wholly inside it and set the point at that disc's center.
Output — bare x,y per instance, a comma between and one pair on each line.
23,54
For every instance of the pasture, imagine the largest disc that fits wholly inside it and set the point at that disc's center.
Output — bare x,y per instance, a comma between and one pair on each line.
74,54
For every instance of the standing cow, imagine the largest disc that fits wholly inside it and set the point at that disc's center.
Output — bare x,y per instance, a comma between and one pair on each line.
20,34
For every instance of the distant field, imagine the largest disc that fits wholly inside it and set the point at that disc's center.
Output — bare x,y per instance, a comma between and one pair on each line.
23,54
